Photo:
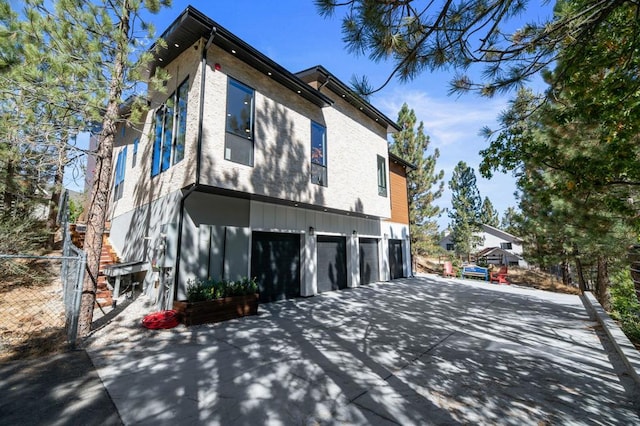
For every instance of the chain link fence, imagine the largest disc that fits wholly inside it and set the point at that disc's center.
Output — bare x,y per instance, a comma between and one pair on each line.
40,315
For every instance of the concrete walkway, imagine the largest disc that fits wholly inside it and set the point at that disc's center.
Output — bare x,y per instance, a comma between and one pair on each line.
416,351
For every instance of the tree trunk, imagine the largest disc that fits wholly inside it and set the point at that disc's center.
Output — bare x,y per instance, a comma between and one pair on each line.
602,284
9,188
566,277
99,203
54,202
582,284
634,266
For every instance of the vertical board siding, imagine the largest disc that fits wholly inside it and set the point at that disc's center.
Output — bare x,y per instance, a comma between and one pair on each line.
398,190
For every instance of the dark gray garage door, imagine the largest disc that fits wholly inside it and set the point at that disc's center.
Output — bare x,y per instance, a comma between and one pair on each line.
275,262
332,263
395,259
368,260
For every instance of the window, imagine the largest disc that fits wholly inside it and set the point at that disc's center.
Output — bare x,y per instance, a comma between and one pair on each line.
170,131
239,127
134,156
318,154
450,247
505,246
118,182
382,176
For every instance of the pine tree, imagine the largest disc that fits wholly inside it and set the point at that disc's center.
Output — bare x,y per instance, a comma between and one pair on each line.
489,215
424,185
424,36
90,58
465,211
510,221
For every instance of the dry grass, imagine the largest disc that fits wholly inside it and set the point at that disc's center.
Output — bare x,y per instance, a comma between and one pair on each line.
540,280
32,323
517,276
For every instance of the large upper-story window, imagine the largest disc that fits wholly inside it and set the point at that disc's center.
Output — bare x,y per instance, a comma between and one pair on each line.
170,130
118,181
382,176
238,145
318,154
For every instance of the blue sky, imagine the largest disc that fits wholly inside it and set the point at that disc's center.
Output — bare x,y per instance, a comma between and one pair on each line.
292,33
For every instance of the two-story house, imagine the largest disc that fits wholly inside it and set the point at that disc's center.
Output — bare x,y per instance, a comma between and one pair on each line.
242,168
496,246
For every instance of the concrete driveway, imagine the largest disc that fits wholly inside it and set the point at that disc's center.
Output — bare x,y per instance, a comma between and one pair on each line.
423,350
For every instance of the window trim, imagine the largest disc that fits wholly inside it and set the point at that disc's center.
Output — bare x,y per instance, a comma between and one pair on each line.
169,119
120,170
134,154
229,134
325,181
382,176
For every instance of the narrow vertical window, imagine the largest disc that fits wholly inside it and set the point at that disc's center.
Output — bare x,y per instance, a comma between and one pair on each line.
318,154
170,131
181,121
157,142
239,123
118,182
382,176
167,139
134,155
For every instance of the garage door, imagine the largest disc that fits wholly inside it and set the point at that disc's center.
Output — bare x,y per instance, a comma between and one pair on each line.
275,262
395,259
332,263
368,260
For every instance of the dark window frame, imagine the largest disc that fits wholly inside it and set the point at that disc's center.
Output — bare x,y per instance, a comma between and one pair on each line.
118,181
235,134
506,246
319,169
170,124
382,176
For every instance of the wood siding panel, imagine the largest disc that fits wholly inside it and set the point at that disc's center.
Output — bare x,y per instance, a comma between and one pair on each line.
398,193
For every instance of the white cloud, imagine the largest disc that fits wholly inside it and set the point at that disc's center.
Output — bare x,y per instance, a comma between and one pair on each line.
453,126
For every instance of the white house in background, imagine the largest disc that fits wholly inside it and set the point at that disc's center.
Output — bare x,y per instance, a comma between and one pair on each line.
242,168
496,246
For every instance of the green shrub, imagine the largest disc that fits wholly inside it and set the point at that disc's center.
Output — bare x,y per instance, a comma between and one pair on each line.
624,305
202,290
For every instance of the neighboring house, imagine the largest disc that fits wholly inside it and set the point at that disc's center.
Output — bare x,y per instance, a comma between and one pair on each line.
242,168
497,247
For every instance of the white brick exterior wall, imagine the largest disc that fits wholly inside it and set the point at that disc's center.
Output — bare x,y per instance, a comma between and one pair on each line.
282,145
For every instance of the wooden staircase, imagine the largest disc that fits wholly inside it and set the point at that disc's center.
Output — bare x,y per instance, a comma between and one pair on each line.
107,257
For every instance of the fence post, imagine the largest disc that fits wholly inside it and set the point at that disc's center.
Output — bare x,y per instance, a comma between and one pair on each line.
77,296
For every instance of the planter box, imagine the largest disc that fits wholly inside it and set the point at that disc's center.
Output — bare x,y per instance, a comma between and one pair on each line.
194,313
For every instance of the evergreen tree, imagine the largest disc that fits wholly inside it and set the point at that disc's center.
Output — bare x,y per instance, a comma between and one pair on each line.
489,215
424,185
576,156
82,58
510,221
465,211
424,36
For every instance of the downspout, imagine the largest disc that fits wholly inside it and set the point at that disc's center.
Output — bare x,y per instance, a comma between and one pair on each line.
193,187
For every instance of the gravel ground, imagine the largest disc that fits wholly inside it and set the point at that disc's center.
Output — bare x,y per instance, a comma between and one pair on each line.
124,323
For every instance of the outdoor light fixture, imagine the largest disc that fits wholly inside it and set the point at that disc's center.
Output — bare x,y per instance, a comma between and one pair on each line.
355,232
311,231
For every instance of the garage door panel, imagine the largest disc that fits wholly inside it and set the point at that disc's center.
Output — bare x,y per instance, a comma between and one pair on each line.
331,263
275,262
395,259
369,260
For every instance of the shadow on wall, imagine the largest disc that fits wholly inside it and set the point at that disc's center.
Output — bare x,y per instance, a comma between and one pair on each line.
282,168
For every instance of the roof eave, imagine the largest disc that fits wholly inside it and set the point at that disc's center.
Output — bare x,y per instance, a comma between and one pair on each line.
192,25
